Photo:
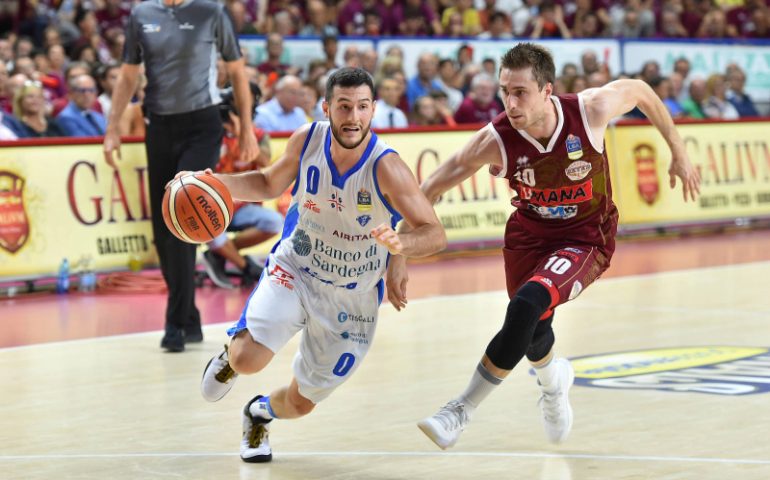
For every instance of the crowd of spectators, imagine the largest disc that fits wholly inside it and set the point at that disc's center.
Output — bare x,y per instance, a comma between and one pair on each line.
59,59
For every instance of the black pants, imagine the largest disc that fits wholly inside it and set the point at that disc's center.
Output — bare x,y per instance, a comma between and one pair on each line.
184,141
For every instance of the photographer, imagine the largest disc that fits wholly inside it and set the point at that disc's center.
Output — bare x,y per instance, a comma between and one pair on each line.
254,223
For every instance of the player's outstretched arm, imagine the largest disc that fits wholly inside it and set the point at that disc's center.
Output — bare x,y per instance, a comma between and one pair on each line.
621,96
481,149
426,235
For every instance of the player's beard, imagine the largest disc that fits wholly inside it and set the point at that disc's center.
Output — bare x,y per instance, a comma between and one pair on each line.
343,142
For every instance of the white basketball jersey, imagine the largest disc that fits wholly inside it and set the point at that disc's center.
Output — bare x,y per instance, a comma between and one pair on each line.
326,232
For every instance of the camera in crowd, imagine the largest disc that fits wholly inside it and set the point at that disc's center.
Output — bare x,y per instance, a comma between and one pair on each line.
228,101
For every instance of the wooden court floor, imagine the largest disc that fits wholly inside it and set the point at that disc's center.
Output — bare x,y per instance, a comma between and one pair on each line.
115,407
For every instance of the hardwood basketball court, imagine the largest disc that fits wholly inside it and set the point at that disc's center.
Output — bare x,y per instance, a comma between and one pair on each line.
116,407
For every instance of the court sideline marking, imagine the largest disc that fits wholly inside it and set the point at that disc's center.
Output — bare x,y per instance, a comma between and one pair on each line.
578,456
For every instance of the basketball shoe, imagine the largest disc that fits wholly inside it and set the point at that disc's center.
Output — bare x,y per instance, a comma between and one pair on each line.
445,427
218,377
255,445
215,268
554,402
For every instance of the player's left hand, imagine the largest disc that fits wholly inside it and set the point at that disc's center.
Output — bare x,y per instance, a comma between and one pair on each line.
682,167
248,145
388,237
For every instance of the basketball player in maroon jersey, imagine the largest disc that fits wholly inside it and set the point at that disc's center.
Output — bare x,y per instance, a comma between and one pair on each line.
560,237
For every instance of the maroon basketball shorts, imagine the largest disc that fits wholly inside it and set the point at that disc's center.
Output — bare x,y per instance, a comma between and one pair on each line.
564,270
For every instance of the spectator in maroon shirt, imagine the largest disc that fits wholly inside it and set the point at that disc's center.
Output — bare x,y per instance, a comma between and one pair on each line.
741,17
351,20
576,21
417,8
692,16
480,106
761,20
714,25
588,26
112,16
273,62
549,23
414,24
670,26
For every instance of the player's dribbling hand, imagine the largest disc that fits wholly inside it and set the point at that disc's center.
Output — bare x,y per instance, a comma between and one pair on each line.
388,237
682,167
396,280
185,173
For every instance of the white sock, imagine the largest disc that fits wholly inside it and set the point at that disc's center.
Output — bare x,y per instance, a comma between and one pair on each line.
546,374
481,385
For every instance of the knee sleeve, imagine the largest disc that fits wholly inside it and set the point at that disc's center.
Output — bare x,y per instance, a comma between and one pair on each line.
521,320
542,340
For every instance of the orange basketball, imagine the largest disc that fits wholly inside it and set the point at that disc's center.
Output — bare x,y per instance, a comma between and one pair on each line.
197,208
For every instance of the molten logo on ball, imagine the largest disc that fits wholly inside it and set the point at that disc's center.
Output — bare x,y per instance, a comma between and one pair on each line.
210,212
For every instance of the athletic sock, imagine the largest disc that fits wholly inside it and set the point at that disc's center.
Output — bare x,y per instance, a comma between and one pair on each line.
262,408
546,373
481,385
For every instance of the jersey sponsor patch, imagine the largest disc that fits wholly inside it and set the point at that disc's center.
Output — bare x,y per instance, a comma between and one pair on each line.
302,244
562,212
578,170
363,219
364,200
715,370
312,206
150,28
548,197
574,147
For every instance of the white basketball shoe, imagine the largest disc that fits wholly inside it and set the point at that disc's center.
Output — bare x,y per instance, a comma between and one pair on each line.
218,377
445,427
554,402
255,445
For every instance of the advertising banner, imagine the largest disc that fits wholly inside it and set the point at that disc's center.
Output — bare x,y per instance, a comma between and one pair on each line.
64,201
733,159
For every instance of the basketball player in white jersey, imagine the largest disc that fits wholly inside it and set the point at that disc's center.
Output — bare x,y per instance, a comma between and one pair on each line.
325,275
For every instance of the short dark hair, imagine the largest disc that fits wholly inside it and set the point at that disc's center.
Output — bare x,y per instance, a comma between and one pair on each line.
526,55
348,77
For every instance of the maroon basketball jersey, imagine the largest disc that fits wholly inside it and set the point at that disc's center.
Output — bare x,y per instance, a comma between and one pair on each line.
563,188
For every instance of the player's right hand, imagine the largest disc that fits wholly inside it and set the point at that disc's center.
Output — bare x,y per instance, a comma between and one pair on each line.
396,279
185,173
111,144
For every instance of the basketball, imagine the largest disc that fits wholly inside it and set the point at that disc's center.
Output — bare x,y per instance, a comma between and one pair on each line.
197,208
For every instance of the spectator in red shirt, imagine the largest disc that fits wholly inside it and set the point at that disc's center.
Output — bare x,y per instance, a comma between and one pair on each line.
480,106
113,15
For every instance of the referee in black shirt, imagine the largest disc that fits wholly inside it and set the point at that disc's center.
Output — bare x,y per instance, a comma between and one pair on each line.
179,41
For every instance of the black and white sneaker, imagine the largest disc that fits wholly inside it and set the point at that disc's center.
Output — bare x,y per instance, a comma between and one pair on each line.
218,377
255,445
215,268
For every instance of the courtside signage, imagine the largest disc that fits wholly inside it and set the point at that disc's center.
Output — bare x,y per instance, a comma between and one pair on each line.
717,370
